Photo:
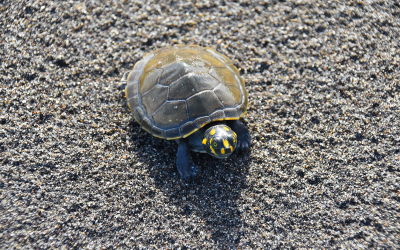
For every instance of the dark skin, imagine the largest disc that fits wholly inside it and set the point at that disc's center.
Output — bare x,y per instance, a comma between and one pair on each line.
242,134
187,169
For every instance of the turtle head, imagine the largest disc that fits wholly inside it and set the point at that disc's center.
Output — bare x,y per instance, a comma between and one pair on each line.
220,141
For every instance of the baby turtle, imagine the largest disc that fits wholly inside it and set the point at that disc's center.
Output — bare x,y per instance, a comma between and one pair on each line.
193,95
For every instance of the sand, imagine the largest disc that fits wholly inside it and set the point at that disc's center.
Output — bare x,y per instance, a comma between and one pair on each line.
324,92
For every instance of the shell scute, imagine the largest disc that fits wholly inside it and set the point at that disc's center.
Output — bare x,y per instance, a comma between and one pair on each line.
146,124
223,75
173,134
181,68
191,84
171,114
138,114
201,121
228,95
153,99
131,89
188,128
221,57
149,79
199,107
139,66
210,59
151,64
218,115
133,103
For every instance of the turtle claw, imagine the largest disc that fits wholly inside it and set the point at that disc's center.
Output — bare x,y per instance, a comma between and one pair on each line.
189,172
244,142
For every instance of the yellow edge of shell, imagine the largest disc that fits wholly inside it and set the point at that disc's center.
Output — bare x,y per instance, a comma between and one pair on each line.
174,138
218,120
227,119
146,130
190,133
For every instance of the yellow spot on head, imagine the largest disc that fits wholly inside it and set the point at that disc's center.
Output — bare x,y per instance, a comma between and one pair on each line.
210,141
222,151
205,141
226,128
226,143
212,150
231,149
212,132
234,137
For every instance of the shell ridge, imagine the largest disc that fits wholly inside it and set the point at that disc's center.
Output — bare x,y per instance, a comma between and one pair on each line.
187,113
182,76
147,91
218,99
178,78
158,108
198,93
217,85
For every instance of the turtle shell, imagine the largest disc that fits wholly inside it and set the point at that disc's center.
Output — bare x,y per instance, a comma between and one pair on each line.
174,91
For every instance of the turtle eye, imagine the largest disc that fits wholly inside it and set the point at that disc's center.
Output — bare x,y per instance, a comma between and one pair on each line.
215,144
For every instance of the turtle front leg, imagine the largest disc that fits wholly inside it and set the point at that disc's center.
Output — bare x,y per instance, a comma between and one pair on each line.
186,168
243,135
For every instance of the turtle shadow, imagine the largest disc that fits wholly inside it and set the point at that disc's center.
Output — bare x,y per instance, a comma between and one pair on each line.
211,197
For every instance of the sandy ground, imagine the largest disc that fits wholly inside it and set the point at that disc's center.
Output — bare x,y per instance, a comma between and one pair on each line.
324,91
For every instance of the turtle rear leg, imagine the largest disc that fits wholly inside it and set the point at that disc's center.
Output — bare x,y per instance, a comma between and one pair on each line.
186,168
124,79
242,132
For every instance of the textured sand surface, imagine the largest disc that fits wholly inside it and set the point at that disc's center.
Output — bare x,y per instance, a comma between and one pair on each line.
324,91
